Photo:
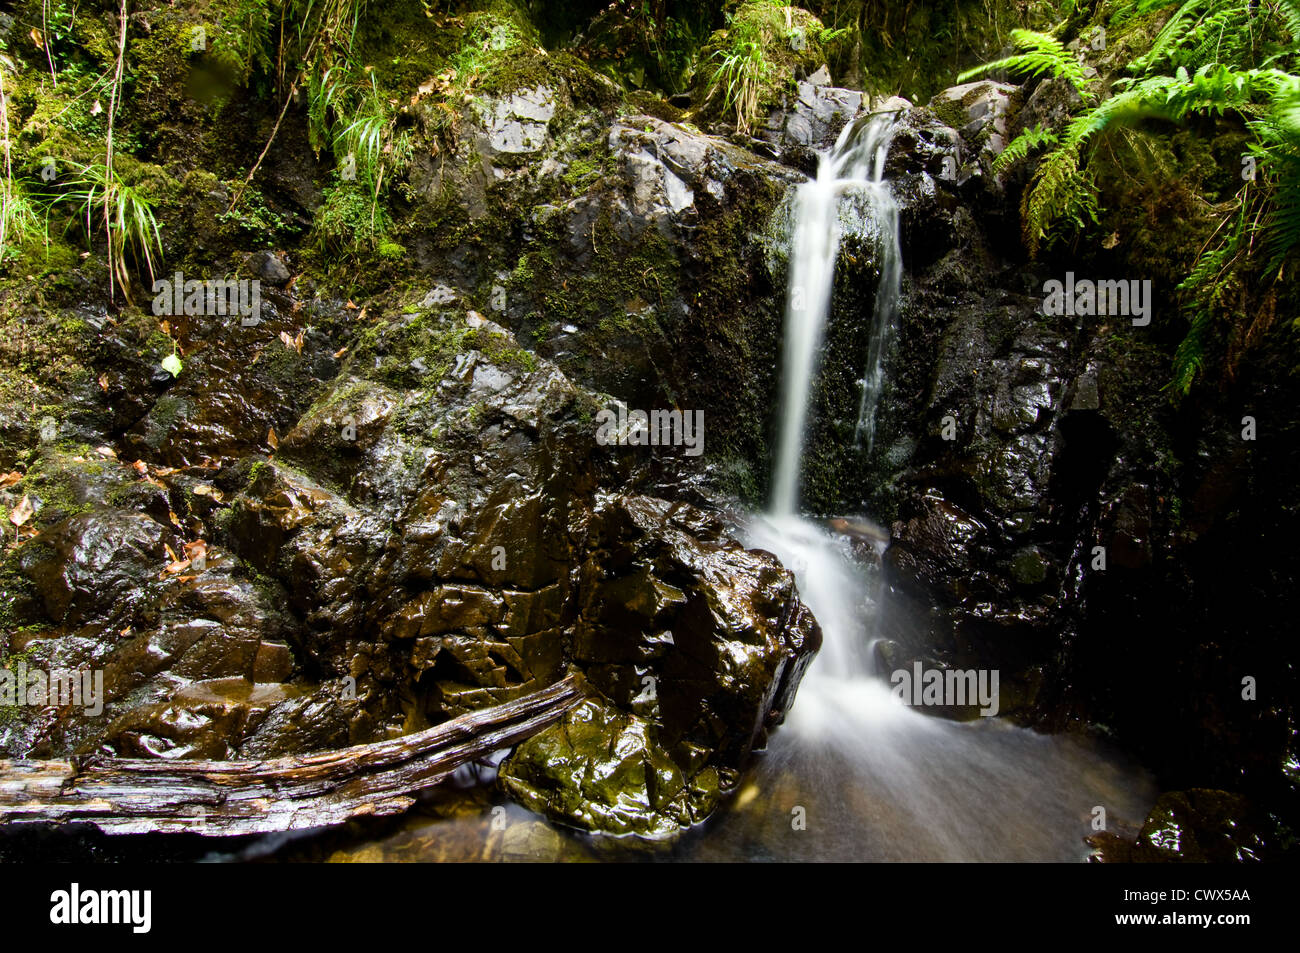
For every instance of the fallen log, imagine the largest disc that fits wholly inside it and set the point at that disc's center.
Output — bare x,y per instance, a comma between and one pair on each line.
224,798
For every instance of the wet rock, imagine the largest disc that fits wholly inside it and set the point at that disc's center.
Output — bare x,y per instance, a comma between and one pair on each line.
273,662
937,548
666,165
453,550
98,566
812,116
1204,826
981,112
1050,105
270,267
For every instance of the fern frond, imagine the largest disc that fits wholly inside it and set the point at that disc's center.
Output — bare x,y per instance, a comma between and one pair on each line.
1021,146
1039,55
1288,11
1172,34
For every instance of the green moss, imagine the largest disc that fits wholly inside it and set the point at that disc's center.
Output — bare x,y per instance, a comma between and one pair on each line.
64,486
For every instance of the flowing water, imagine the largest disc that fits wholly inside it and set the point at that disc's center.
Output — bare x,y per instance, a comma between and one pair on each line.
870,777
856,165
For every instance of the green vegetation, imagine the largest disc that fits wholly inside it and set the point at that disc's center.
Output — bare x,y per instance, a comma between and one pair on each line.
757,54
1040,55
122,213
1211,58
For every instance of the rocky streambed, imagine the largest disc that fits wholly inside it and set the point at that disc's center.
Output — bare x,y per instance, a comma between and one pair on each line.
384,503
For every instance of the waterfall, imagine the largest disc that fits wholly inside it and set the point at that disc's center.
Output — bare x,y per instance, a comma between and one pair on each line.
884,781
857,162
890,256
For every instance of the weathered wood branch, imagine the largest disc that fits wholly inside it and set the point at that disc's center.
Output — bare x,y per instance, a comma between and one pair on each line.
144,795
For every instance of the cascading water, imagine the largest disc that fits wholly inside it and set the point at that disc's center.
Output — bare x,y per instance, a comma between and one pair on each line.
890,255
856,163
876,779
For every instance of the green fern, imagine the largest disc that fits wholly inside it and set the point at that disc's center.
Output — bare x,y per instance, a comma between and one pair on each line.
1230,58
1061,182
1039,55
1277,149
1020,147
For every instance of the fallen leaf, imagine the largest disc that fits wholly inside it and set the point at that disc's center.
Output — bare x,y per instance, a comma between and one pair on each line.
272,439
103,381
106,452
293,343
340,352
179,566
171,552
197,547
203,489
23,511
37,38
141,467
9,479
350,306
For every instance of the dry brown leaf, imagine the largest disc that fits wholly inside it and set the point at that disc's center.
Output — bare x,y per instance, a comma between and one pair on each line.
141,467
171,552
106,452
9,479
272,439
37,38
340,352
103,381
23,511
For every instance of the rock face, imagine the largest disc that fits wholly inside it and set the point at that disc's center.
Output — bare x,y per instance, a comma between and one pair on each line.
435,535
813,115
722,649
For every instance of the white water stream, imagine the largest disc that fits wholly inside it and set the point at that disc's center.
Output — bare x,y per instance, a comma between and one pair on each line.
878,780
